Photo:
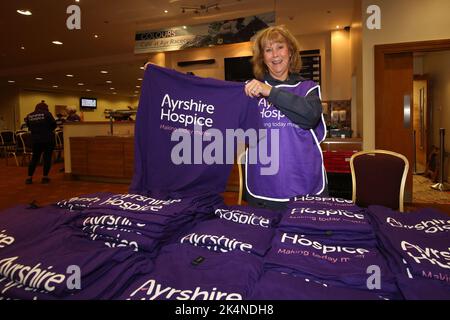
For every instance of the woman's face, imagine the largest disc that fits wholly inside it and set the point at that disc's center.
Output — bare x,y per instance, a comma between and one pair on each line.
276,58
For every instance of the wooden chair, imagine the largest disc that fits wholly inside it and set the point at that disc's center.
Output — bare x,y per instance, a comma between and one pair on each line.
378,178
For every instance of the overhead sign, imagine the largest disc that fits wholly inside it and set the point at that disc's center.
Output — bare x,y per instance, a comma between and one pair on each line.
202,35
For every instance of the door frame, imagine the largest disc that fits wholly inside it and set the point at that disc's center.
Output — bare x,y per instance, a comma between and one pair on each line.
380,53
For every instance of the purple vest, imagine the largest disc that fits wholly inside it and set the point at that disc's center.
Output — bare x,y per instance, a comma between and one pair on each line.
301,169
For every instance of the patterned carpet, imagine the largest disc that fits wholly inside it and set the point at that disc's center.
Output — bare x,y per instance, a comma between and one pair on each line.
423,193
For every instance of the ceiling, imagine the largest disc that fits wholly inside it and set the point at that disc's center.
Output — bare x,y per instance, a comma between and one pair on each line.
27,52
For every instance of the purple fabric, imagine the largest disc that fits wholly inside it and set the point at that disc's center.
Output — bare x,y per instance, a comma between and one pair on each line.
414,250
324,202
340,224
262,218
44,267
176,276
167,99
422,289
341,265
281,286
21,224
224,236
301,169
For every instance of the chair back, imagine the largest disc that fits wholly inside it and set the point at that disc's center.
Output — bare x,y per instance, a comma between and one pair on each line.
25,142
59,139
378,178
7,138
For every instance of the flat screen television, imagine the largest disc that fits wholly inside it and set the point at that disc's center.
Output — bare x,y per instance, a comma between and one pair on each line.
88,103
238,69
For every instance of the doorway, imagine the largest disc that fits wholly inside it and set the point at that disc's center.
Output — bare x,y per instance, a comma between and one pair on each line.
405,119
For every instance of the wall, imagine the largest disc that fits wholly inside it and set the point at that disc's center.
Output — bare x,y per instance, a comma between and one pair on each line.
357,70
340,70
401,21
437,66
219,53
29,99
9,106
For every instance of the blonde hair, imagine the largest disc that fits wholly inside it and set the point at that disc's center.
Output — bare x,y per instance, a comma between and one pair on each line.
274,34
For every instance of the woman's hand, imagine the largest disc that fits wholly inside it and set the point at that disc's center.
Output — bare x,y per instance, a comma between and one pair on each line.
257,88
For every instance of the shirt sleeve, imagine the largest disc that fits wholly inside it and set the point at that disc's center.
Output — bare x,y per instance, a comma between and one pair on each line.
303,111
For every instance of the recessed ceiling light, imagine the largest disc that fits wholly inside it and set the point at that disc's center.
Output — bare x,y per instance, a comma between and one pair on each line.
165,11
184,27
80,83
22,48
11,81
108,81
104,71
57,42
112,88
69,75
142,68
24,12
114,92
77,0
337,27
139,79
136,92
96,36
55,86
88,90
39,79
138,86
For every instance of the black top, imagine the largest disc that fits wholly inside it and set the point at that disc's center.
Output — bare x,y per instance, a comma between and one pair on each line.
41,124
303,111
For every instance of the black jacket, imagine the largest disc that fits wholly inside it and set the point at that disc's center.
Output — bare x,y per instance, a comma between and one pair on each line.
304,111
41,124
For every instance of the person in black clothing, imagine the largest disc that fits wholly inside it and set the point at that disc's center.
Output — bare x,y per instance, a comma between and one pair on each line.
276,62
41,124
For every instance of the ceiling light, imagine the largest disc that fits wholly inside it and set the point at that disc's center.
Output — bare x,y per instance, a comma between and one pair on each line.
138,86
57,42
136,92
142,68
108,81
139,79
104,71
55,86
114,92
22,48
11,81
69,75
88,90
112,88
95,36
184,27
337,27
165,11
80,83
24,12
39,79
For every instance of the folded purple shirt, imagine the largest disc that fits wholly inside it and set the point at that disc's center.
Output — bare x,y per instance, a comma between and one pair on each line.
184,272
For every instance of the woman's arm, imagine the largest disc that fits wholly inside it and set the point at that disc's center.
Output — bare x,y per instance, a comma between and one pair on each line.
303,111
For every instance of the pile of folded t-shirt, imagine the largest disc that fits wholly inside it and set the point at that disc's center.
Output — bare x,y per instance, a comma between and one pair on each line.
138,221
184,272
237,228
417,247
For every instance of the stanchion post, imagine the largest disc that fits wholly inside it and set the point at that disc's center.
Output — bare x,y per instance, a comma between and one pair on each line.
441,185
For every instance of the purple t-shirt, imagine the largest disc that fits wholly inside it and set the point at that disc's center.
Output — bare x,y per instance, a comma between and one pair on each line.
301,169
244,215
184,272
43,268
337,223
281,286
172,100
343,265
418,246
224,236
